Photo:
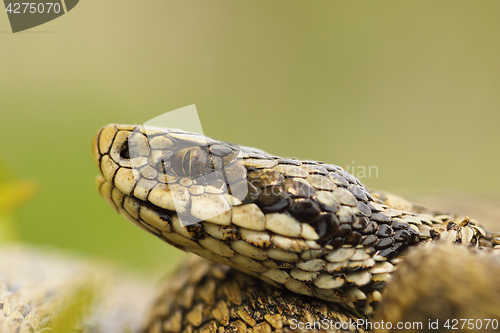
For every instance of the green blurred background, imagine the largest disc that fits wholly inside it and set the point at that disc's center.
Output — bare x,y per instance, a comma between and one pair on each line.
411,87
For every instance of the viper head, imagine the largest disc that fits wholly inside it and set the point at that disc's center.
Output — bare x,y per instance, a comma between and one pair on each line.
171,170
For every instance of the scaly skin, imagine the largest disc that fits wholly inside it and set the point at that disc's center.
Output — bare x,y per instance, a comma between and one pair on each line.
210,297
307,226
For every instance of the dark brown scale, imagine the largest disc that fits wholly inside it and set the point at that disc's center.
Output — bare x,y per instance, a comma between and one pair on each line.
413,235
453,226
219,150
380,217
399,224
282,204
369,240
371,251
288,161
384,231
322,228
265,177
234,173
336,242
360,223
331,219
384,243
394,251
357,192
345,229
400,247
298,188
196,231
270,195
363,209
370,228
402,236
326,226
354,238
435,234
388,253
360,305
304,210
272,199
165,217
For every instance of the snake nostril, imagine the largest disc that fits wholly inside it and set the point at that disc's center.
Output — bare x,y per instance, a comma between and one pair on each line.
125,151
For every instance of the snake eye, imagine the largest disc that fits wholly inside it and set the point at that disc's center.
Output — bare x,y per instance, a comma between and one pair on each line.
191,162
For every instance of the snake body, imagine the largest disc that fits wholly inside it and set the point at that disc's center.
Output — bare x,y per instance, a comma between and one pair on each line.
306,226
435,282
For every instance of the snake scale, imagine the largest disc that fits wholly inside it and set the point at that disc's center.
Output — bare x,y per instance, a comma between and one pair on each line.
325,244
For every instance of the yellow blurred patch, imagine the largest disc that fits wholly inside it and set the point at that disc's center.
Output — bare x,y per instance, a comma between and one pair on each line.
72,310
13,194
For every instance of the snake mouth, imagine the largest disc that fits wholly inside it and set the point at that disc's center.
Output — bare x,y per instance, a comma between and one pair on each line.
162,223
143,214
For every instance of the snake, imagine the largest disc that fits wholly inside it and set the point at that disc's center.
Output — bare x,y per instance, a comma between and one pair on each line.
324,244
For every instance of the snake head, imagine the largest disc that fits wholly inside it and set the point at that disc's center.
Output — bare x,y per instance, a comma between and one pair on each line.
194,176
